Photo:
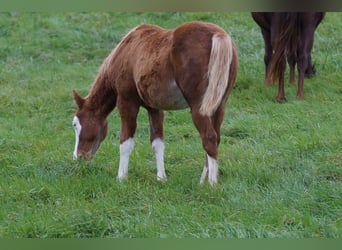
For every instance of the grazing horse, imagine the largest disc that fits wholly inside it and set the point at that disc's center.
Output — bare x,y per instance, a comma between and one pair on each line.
194,65
290,34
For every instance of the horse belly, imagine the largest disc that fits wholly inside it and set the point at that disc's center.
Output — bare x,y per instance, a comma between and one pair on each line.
172,98
164,96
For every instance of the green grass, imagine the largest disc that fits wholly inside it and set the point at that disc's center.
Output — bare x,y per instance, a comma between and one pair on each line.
280,164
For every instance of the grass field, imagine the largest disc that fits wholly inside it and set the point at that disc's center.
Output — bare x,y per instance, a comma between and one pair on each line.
280,164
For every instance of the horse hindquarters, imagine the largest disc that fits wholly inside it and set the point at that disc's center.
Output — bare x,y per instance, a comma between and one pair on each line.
192,77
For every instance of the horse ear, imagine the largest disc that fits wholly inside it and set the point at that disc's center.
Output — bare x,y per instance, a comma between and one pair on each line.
78,99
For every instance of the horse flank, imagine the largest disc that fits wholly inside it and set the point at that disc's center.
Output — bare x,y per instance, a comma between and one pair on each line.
218,73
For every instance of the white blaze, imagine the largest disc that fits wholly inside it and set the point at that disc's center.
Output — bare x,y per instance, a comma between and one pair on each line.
77,126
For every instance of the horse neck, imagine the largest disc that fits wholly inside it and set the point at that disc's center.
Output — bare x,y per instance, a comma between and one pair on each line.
102,97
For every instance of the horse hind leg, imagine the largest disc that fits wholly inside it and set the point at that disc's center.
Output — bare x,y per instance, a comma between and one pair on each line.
291,59
268,54
156,119
281,90
216,120
208,135
280,71
210,171
302,65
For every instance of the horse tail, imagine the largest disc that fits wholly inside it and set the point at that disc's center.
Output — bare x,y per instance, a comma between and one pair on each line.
220,60
285,43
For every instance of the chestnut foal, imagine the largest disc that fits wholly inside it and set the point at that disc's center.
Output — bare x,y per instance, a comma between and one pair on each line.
194,65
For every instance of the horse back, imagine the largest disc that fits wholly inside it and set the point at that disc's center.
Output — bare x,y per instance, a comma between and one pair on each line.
151,62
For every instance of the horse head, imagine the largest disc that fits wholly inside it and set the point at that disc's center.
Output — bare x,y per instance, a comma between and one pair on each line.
90,129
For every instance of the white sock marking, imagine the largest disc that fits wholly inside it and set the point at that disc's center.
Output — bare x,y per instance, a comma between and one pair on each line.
77,126
125,150
158,148
204,175
213,170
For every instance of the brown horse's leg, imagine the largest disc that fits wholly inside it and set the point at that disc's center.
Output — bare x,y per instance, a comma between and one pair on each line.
304,57
209,141
301,73
217,122
128,112
310,71
156,118
281,72
291,58
302,66
281,91
268,54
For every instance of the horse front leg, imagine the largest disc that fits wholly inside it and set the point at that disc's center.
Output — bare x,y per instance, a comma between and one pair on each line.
128,113
156,119
210,144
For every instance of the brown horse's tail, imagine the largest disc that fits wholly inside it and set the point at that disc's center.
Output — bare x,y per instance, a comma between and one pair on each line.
285,43
221,57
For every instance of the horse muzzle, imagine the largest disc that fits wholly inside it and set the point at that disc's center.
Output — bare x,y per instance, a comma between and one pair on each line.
83,155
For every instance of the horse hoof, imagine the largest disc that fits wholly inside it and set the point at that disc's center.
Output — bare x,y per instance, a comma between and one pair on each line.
310,72
281,100
121,178
213,183
161,179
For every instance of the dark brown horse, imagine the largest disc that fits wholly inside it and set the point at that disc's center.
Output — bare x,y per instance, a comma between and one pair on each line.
194,65
288,34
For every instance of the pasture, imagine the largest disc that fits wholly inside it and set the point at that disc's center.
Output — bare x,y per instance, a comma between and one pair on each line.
280,165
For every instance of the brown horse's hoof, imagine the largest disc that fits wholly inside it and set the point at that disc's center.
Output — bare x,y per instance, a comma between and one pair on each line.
281,99
300,97
310,72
